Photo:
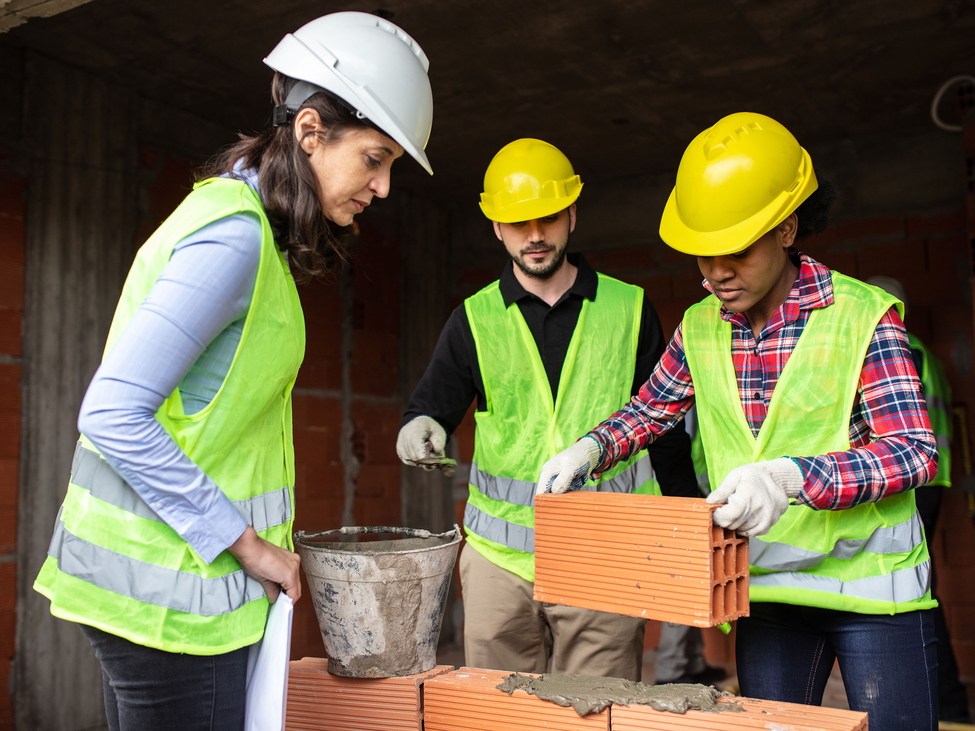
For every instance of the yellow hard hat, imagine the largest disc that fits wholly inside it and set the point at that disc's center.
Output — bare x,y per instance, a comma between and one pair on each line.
528,179
737,180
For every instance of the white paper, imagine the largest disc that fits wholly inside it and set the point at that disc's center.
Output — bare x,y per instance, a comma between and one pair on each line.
267,670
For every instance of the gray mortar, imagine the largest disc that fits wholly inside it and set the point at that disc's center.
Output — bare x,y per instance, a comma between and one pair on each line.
590,694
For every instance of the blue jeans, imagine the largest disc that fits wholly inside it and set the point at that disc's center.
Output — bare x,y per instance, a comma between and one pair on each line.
152,690
889,662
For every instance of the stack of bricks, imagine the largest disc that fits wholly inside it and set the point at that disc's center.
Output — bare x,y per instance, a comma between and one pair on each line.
469,699
318,700
639,555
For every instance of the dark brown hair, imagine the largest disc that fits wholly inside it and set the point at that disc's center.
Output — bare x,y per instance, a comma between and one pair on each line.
288,186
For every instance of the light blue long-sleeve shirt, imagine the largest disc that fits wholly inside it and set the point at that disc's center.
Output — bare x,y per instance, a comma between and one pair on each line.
184,334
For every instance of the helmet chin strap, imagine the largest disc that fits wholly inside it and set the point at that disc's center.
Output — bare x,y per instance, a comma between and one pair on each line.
284,114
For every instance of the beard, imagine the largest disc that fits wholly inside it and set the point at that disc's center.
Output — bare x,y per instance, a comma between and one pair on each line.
541,271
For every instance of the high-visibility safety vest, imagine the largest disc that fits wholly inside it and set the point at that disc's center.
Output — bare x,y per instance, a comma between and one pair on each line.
521,428
937,396
112,563
871,558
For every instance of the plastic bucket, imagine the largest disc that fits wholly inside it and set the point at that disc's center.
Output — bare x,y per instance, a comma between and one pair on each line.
380,604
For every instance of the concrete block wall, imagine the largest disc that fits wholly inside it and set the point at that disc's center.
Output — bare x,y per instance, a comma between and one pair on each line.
12,214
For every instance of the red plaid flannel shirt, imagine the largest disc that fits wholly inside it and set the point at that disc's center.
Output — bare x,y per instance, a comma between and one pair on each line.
892,447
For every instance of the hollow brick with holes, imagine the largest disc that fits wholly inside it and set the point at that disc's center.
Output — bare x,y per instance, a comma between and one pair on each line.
319,700
640,555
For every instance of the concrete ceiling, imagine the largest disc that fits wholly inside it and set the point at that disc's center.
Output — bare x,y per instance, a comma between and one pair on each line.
620,85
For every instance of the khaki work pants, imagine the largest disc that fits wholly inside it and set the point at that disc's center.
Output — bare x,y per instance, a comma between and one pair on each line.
505,629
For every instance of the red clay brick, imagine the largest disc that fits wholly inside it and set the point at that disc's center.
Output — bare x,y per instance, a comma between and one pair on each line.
10,332
820,241
12,285
8,619
9,486
8,578
8,529
379,424
6,700
319,700
748,713
844,262
379,511
955,585
375,364
468,699
887,227
719,648
639,555
9,433
901,260
657,287
618,263
12,214
926,226
961,620
949,256
9,387
378,480
965,655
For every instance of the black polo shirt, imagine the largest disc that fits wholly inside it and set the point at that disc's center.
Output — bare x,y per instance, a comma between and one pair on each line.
453,377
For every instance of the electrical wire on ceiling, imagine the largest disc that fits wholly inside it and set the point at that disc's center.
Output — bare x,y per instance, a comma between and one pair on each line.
937,100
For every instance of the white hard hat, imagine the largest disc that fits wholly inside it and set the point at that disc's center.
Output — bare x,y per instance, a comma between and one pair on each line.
370,64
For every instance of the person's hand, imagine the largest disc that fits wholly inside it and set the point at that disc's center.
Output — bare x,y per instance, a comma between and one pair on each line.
754,496
275,567
419,438
570,468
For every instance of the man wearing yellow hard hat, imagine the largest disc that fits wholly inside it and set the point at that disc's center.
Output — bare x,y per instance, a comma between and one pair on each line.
813,426
545,351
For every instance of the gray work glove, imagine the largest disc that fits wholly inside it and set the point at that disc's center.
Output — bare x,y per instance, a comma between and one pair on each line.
570,468
754,496
419,439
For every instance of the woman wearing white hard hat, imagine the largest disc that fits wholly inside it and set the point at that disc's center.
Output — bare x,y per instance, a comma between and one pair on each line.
174,535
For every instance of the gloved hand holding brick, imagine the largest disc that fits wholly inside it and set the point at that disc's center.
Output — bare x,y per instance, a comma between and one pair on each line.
754,496
570,468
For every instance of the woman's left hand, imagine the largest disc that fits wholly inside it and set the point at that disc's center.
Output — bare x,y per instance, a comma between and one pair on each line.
754,496
275,567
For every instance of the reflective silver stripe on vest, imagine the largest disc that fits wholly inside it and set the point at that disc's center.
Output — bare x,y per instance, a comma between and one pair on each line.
499,530
935,403
905,585
90,472
148,583
900,538
520,492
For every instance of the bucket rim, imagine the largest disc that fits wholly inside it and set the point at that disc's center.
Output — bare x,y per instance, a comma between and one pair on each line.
301,538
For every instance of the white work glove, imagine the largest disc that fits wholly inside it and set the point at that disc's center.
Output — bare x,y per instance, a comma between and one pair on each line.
570,468
419,438
754,496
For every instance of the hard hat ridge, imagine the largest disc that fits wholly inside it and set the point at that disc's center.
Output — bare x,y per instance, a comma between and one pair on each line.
528,179
737,180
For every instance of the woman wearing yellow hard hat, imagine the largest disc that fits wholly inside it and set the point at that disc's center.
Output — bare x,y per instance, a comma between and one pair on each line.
813,429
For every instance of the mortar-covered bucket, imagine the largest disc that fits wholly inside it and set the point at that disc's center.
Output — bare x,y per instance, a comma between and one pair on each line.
379,603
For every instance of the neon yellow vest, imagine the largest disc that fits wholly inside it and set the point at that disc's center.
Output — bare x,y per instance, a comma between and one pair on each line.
937,396
870,559
113,564
521,428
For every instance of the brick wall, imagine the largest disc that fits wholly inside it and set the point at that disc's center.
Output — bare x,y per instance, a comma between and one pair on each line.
368,379
12,211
